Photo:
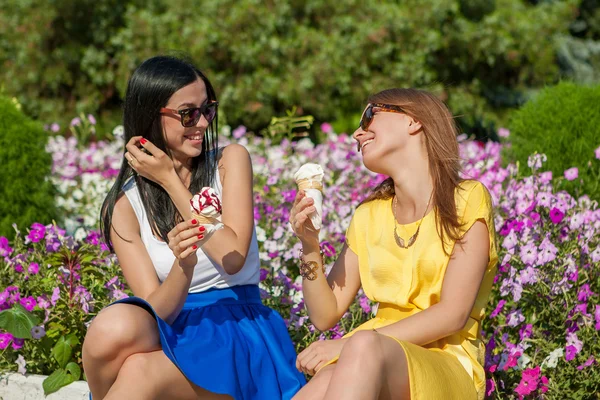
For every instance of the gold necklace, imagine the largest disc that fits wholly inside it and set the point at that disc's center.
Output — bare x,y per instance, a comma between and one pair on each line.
413,238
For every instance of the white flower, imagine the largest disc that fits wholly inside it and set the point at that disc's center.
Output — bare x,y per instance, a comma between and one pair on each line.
21,363
261,235
553,357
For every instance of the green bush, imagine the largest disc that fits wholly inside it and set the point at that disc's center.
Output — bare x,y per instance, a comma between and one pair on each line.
264,57
562,122
26,194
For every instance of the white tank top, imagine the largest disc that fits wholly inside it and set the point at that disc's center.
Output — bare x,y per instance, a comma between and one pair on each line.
207,273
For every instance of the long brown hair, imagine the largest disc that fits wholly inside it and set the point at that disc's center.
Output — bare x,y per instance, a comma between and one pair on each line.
440,131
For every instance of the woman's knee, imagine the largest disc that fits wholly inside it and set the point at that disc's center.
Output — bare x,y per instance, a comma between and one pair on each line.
315,388
116,329
363,344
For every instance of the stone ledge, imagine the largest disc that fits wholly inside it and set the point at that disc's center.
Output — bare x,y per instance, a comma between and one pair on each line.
15,386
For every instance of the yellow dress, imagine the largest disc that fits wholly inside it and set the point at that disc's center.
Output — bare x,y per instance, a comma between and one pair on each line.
406,281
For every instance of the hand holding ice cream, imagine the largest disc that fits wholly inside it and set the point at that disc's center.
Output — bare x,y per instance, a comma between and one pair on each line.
309,178
206,208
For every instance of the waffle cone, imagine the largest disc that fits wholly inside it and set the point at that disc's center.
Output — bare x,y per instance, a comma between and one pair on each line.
204,220
304,184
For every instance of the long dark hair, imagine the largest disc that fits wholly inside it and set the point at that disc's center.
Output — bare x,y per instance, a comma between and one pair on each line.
149,89
440,133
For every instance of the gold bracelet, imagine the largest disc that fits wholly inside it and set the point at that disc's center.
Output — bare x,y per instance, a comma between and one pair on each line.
308,269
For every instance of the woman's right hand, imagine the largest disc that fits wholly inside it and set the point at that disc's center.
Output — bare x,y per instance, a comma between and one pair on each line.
300,220
184,241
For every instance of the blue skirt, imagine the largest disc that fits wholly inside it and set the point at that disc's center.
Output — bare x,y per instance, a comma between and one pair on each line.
226,341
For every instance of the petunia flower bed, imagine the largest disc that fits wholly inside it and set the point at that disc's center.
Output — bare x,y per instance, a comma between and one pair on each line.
543,320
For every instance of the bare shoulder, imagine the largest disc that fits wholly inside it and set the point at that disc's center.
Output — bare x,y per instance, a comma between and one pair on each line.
123,218
234,154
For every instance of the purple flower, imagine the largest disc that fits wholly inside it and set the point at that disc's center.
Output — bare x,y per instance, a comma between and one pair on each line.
556,216
36,233
91,118
515,318
529,253
597,153
597,316
588,362
239,132
55,127
37,332
76,121
263,274
571,352
289,195
28,302
43,303
548,252
584,293
526,331
55,296
17,343
34,268
5,339
5,249
364,304
498,308
571,174
546,177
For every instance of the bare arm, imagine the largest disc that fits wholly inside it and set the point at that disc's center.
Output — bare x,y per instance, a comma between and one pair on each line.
461,284
230,245
326,299
166,299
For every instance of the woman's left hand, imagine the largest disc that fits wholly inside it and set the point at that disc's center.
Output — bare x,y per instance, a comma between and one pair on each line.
311,359
153,164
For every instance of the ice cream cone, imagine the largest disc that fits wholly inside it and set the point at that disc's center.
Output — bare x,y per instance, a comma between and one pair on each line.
204,220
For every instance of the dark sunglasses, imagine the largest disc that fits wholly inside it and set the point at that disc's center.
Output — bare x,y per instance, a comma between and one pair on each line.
373,108
191,116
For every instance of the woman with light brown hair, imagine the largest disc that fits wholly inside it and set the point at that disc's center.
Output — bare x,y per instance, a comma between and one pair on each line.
423,246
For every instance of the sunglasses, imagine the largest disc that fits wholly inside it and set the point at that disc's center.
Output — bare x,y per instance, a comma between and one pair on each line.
191,116
373,108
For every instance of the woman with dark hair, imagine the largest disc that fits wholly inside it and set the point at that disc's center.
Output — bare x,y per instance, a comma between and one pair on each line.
197,328
422,246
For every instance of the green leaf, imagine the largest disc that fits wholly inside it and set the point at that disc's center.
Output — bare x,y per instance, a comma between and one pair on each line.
56,380
72,339
62,352
18,321
74,371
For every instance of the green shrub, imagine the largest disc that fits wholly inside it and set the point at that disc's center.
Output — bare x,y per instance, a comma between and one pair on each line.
562,122
325,57
26,194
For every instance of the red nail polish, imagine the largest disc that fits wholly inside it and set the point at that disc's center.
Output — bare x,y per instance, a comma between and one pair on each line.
194,247
194,222
143,141
200,236
202,229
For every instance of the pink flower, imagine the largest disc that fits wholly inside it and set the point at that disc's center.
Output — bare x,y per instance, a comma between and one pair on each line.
503,132
571,352
586,364
571,174
546,176
364,304
556,216
529,381
5,339
28,302
597,316
55,296
91,118
512,361
544,385
34,268
597,153
327,128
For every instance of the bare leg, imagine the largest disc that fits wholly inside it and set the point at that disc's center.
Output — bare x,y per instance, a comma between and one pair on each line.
315,388
148,376
116,333
371,366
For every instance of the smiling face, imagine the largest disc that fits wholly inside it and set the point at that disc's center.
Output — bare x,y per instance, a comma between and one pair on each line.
389,135
185,143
